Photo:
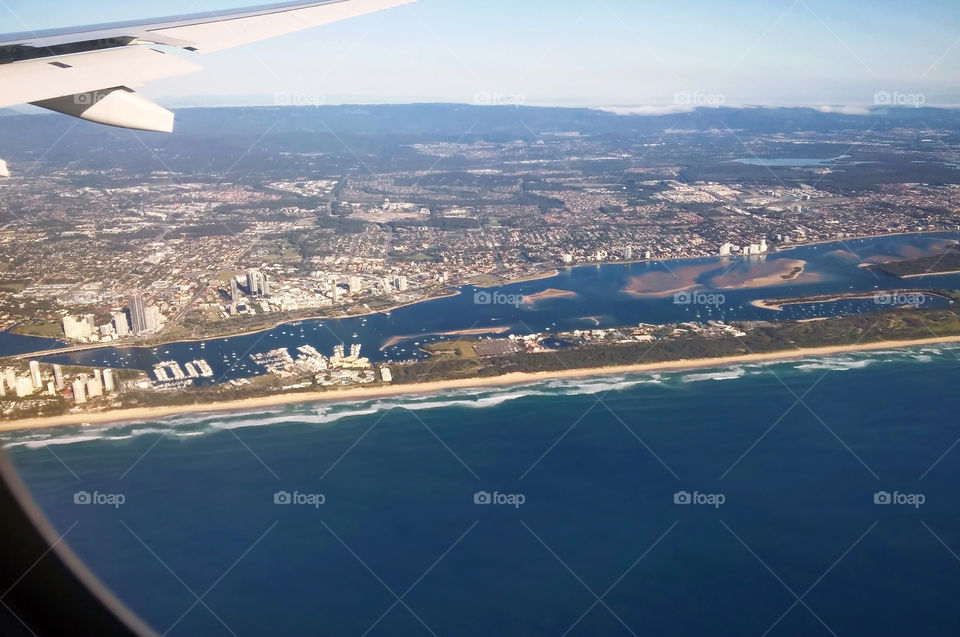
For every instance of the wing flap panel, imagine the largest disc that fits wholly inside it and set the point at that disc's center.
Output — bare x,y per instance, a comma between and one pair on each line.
41,79
114,107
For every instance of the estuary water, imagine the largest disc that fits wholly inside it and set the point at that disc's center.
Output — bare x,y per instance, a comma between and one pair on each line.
599,296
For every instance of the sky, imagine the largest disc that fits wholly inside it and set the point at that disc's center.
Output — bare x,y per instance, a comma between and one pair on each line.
636,55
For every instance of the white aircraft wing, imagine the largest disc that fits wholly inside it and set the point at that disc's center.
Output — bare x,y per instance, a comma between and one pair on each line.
90,72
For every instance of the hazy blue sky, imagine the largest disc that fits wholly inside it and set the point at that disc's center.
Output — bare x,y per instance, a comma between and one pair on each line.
590,52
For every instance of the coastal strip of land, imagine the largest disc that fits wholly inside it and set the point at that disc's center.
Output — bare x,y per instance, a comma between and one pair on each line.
477,331
763,274
516,378
777,305
920,274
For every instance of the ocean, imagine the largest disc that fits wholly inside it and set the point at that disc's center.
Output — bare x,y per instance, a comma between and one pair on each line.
811,497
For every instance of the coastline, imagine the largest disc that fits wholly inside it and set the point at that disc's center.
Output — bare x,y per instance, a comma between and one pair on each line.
259,330
858,238
454,292
532,277
479,331
922,274
767,304
777,305
434,387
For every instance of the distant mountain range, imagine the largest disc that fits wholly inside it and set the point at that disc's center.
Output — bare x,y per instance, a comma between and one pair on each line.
204,137
436,117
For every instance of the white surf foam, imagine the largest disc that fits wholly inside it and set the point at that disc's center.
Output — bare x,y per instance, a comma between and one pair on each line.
39,444
733,374
192,425
835,365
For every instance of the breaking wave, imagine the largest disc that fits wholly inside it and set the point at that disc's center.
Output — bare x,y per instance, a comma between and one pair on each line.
736,372
189,426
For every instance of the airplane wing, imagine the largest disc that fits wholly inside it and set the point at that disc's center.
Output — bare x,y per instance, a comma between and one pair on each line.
91,72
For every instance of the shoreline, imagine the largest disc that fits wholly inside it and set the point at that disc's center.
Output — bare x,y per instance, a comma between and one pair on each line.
479,331
777,305
259,330
922,274
859,238
546,295
434,387
527,279
454,292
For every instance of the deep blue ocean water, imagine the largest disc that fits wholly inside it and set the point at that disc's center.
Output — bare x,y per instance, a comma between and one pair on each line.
598,463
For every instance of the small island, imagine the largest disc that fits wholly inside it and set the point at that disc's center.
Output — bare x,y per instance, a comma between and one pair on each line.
549,293
763,274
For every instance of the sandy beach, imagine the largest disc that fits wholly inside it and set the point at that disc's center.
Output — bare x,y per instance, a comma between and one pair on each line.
803,244
477,331
519,378
920,274
778,304
549,293
764,274
533,277
767,304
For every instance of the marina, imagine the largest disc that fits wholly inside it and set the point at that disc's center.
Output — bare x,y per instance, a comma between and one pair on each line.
598,299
